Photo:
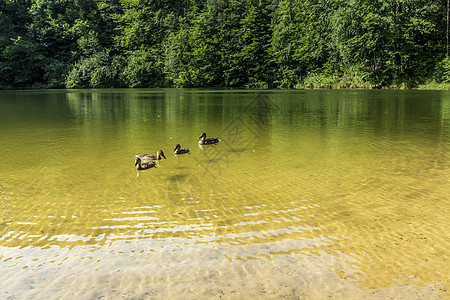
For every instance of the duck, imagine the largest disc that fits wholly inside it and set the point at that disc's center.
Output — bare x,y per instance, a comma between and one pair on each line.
146,156
207,141
144,165
179,150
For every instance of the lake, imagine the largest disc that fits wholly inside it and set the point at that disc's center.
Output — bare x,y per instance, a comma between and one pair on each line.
310,194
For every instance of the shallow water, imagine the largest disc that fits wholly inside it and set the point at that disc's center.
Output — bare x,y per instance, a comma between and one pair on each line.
310,194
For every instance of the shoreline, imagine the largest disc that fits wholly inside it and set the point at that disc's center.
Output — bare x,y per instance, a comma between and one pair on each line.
135,271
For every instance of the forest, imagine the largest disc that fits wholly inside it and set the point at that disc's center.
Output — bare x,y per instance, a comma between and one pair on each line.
223,43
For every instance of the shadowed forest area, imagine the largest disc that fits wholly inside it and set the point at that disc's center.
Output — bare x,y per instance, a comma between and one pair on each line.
218,43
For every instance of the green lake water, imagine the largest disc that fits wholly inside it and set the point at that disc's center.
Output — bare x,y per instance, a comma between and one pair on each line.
310,194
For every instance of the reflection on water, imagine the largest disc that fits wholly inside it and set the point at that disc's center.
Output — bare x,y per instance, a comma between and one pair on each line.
310,194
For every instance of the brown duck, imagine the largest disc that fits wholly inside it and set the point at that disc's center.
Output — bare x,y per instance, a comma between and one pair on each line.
144,165
146,156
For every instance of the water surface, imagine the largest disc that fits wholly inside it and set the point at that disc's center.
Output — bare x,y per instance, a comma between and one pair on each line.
310,194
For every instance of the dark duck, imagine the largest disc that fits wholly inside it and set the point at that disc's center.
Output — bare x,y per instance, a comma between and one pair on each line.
207,141
178,150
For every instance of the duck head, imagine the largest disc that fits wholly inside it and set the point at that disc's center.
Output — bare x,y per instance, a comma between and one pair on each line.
161,153
202,136
137,161
177,146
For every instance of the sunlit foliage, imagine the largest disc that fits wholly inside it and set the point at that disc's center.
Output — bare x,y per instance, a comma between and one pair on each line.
225,43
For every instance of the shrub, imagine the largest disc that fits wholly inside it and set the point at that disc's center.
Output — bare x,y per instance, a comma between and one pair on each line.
98,71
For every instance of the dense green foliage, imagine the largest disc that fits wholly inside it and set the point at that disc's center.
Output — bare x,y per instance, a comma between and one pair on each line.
234,43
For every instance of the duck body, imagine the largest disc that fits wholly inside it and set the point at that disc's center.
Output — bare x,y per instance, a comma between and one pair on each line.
146,156
207,141
144,165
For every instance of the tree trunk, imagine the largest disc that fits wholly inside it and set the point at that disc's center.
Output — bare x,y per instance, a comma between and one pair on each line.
448,4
